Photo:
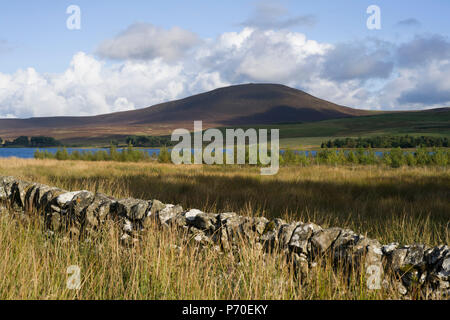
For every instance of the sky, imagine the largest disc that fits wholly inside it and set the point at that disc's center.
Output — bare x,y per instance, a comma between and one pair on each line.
133,54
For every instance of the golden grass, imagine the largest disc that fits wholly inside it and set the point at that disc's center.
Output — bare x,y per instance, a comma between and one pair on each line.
406,205
164,266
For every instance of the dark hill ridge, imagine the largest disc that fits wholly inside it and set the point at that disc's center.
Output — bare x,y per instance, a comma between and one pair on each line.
236,105
248,104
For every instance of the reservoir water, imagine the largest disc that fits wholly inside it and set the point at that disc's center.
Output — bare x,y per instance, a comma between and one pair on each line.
28,153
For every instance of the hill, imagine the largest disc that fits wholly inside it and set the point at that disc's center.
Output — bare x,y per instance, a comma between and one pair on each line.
302,119
231,106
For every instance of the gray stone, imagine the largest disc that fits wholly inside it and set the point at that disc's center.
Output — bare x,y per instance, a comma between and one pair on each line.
191,214
300,240
168,213
156,207
64,198
30,197
259,224
397,258
205,221
269,237
444,269
415,256
226,215
322,240
77,210
6,184
98,210
45,195
133,209
285,234
436,254
347,239
18,193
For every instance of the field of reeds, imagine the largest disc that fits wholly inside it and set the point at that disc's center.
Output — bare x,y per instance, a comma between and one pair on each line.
404,204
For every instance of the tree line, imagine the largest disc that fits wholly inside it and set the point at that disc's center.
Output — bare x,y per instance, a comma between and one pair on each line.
33,142
150,141
387,141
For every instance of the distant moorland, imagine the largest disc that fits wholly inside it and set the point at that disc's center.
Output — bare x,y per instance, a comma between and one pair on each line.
303,120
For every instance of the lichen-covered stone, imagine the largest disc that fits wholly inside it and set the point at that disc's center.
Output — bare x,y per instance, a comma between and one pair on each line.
156,207
168,213
45,195
443,270
6,184
29,197
270,234
205,221
64,198
98,210
76,212
301,236
285,234
396,258
322,240
133,209
436,254
415,256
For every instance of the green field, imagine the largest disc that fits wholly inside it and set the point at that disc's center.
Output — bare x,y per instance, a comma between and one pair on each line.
427,123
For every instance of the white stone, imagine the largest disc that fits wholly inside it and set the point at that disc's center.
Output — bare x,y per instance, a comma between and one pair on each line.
389,247
67,197
191,214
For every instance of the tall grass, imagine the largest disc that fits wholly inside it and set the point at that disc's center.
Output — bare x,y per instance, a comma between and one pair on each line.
165,265
407,204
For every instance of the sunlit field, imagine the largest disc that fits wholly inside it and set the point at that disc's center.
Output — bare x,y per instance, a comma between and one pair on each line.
407,205
404,204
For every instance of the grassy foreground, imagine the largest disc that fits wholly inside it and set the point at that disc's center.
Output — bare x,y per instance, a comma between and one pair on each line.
406,205
164,266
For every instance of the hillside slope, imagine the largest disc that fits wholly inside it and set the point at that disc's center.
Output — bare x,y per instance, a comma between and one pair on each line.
236,105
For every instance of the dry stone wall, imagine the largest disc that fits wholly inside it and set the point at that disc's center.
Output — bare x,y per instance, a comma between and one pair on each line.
415,267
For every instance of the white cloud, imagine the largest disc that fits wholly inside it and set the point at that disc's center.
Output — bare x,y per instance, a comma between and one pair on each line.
89,87
361,77
263,56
